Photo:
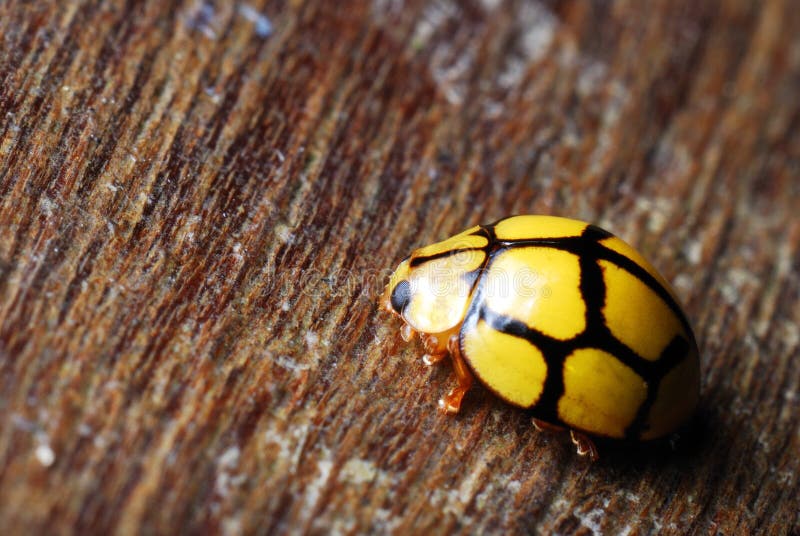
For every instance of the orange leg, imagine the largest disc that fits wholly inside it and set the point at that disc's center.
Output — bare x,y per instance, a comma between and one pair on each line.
434,351
432,359
451,402
435,344
436,347
585,445
407,332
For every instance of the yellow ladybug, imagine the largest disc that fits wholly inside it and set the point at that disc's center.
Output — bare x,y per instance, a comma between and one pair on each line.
556,316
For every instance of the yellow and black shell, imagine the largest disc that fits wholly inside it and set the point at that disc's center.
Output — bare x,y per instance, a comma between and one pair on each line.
559,317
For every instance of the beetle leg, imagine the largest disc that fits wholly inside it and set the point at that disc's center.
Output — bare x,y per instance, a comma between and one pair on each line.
436,347
432,359
407,332
542,426
434,351
585,445
434,344
451,402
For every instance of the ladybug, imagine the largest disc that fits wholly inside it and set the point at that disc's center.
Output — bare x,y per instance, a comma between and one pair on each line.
558,317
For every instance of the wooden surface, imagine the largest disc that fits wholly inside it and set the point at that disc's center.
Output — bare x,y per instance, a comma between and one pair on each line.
199,203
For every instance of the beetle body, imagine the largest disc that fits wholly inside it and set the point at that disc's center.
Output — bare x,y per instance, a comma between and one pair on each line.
558,317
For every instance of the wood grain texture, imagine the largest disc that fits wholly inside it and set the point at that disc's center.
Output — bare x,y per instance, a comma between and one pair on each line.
199,203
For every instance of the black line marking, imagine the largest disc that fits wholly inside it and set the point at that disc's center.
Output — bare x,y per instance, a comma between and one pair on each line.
490,234
592,287
595,233
416,261
583,247
645,277
480,231
675,352
495,223
605,341
554,352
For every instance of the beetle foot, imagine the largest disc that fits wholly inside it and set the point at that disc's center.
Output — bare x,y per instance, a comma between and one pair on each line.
585,445
435,350
451,403
432,359
407,332
433,344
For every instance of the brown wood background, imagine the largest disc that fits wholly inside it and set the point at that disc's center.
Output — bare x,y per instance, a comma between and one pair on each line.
199,203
